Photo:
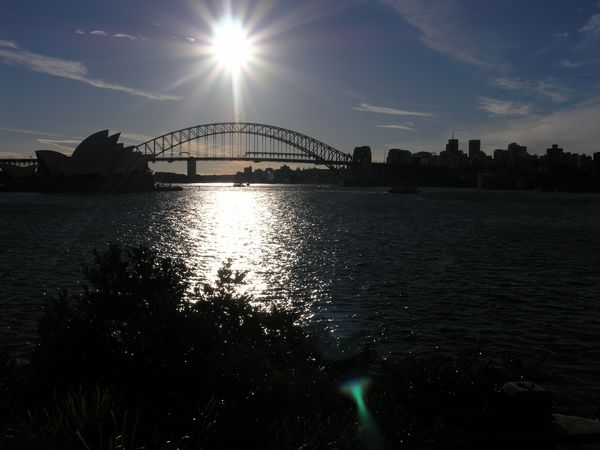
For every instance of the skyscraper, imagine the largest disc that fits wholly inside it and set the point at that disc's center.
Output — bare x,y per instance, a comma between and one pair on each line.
474,148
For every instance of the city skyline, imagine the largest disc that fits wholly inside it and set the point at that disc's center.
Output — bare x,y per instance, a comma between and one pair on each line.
388,73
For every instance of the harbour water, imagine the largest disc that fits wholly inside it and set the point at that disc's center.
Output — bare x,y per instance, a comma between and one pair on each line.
441,271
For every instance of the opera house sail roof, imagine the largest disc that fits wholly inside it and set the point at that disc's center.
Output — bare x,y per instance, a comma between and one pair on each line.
99,164
98,154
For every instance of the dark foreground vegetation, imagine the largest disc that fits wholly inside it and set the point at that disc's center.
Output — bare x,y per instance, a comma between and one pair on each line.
136,361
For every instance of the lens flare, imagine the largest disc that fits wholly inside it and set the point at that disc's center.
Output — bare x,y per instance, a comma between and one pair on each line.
231,46
356,389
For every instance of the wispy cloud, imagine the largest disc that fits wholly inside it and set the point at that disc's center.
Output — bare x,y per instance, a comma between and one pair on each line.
102,33
138,138
392,111
61,144
443,29
15,155
11,54
589,33
504,108
397,127
8,44
547,89
25,131
592,26
539,132
567,63
125,36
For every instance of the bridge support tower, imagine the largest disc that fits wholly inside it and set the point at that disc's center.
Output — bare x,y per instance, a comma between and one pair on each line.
191,167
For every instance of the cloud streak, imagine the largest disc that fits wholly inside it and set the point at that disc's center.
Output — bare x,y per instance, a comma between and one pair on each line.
14,155
504,108
136,137
102,33
125,36
391,111
567,63
397,127
25,131
13,55
546,89
61,144
99,33
592,26
539,132
442,28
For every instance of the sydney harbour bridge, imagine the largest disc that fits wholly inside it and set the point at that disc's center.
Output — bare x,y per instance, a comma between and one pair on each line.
236,141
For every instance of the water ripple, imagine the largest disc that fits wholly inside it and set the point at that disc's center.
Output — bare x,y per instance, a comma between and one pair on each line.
447,269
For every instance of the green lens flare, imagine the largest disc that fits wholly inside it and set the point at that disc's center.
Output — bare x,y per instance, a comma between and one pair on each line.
367,431
356,389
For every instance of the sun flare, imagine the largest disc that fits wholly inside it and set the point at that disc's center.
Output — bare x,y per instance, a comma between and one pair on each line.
231,46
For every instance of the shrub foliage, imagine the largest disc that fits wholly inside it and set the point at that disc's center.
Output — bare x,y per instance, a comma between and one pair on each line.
141,359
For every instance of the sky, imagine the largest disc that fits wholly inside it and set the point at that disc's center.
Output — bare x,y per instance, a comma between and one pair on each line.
385,73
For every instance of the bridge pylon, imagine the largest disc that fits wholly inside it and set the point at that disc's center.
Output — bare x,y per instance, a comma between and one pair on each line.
191,167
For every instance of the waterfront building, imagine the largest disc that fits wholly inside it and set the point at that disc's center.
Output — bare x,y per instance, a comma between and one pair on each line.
425,159
98,154
501,157
398,156
555,155
452,156
475,149
584,162
362,155
517,152
99,164
452,145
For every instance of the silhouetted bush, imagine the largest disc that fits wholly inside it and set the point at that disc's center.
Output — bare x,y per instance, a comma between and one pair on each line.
203,362
140,359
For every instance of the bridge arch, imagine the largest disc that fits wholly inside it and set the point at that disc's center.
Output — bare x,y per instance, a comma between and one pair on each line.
292,146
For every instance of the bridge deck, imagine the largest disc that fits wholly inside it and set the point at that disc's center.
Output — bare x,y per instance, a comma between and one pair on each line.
256,159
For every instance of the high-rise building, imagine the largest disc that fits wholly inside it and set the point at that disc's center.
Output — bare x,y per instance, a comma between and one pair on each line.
362,155
474,148
398,156
555,155
452,145
517,151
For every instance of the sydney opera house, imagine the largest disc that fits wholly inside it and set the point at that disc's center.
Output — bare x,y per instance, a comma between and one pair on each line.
98,164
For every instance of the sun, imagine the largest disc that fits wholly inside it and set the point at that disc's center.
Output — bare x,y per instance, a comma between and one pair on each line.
231,46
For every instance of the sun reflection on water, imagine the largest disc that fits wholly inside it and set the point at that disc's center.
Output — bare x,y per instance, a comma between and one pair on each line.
241,225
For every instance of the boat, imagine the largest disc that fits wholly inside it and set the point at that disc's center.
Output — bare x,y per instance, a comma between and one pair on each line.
239,185
166,187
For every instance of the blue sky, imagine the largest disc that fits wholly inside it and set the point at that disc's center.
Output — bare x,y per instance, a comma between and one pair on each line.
384,73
